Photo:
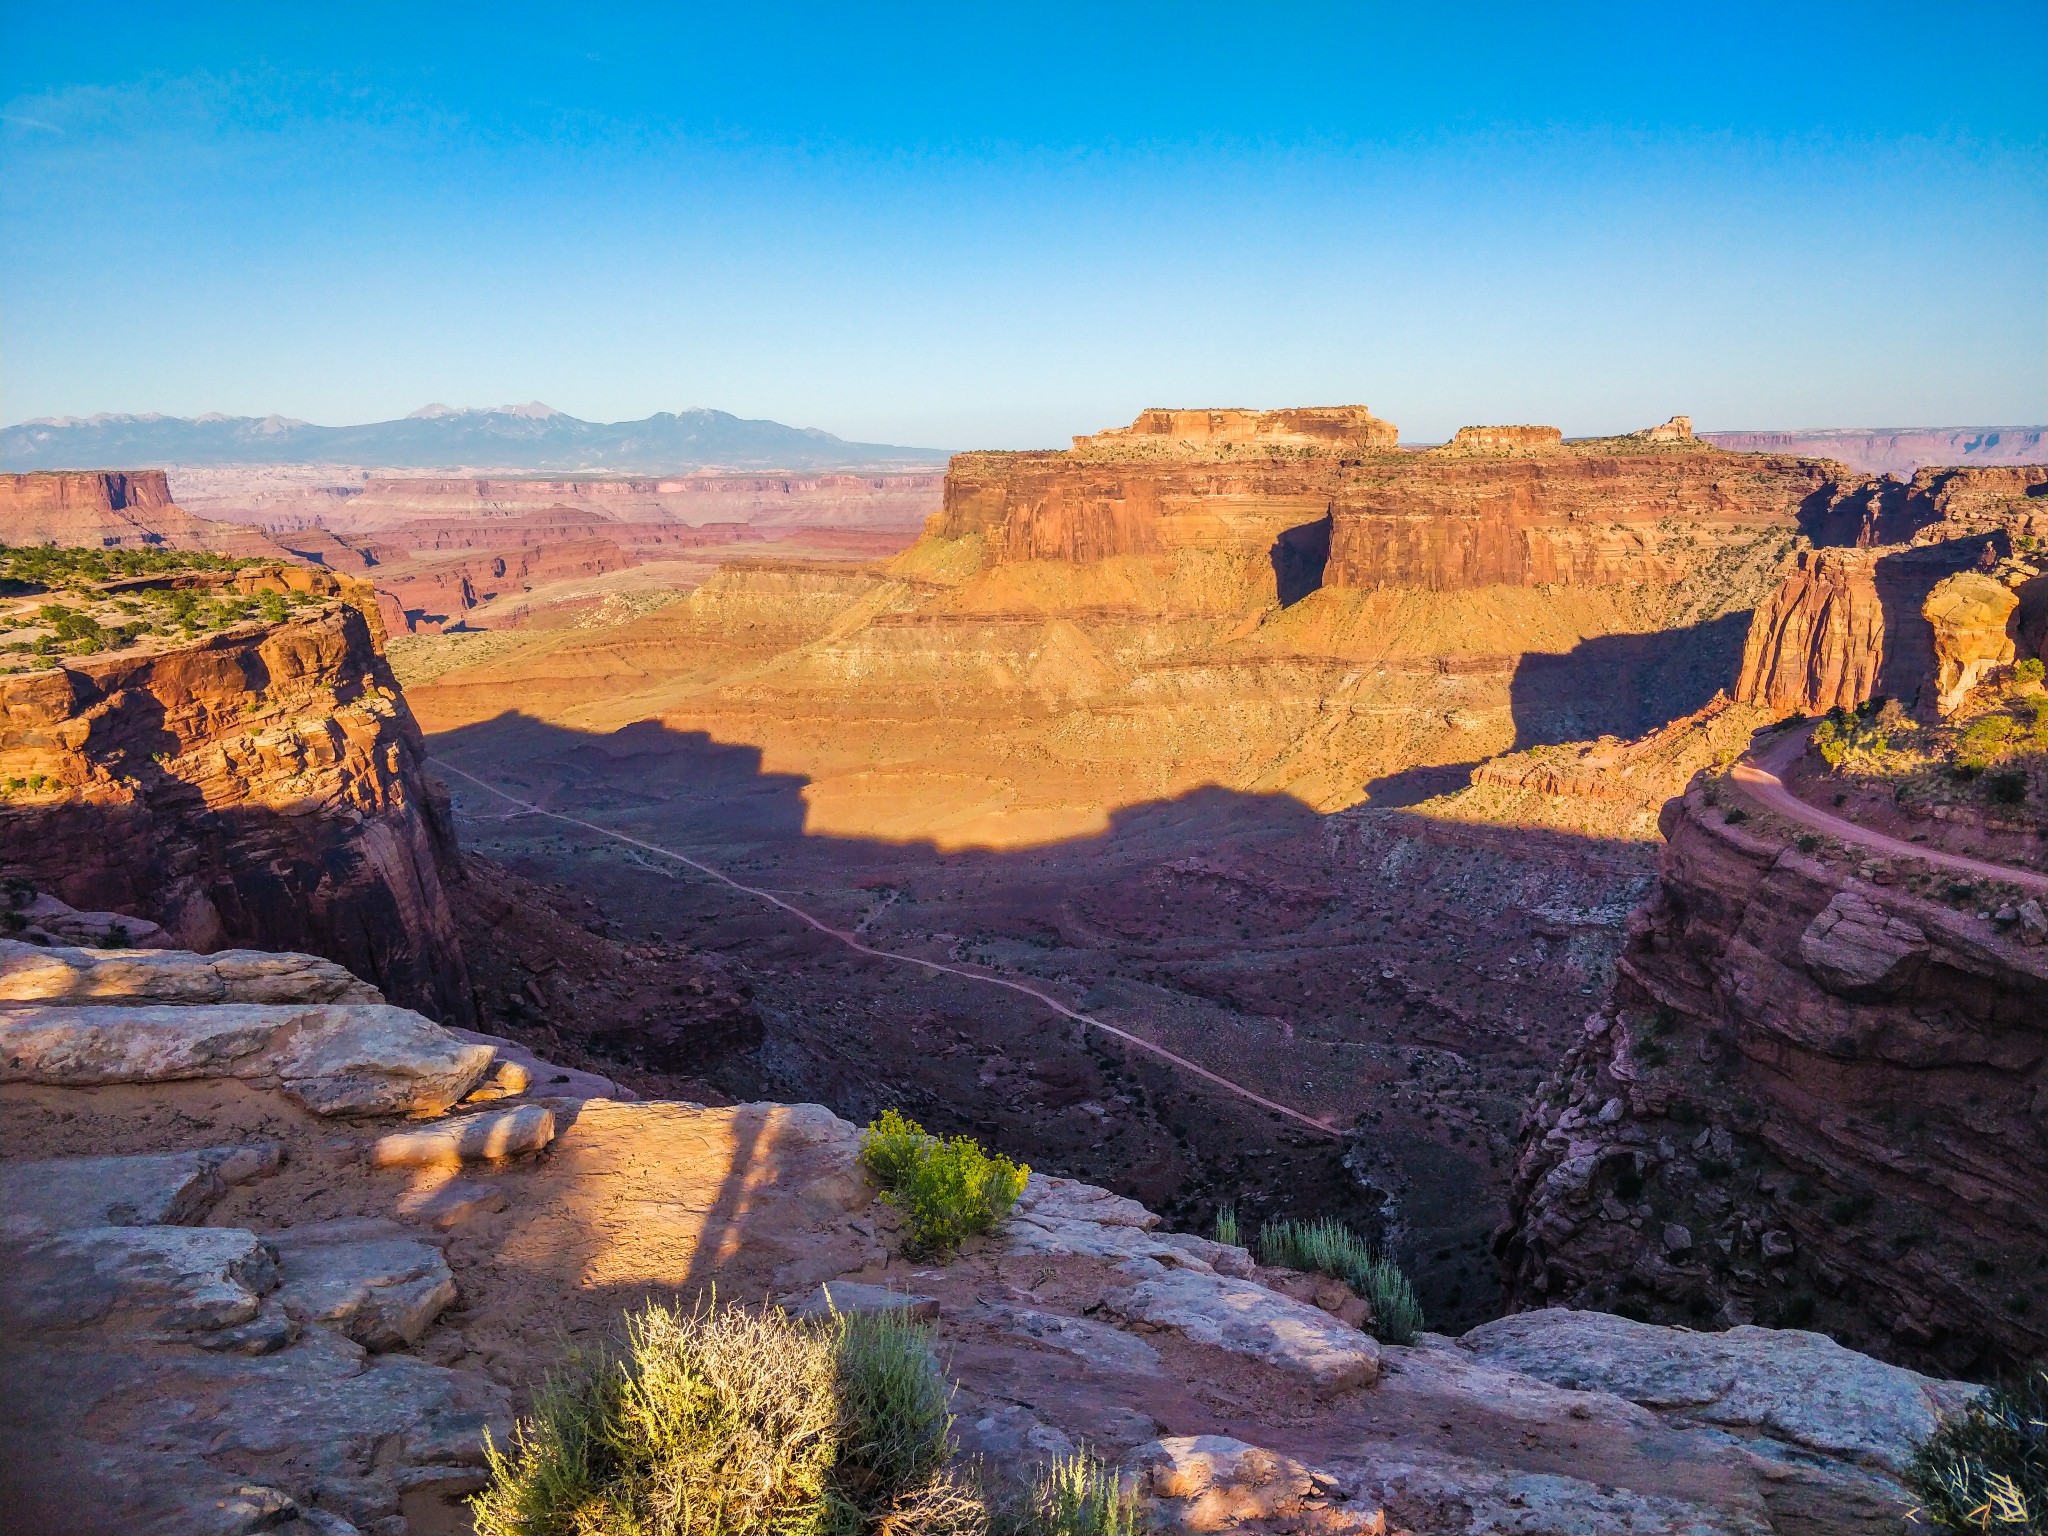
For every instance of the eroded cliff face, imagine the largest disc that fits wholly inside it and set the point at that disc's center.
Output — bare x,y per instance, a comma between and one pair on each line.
1520,511
1813,1099
110,508
1854,622
260,787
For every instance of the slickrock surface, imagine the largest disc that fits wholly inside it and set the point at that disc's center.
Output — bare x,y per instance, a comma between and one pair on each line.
1814,1096
260,786
324,1355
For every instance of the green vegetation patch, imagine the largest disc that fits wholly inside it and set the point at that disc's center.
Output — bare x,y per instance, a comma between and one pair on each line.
726,1422
1328,1247
1986,1469
47,568
948,1191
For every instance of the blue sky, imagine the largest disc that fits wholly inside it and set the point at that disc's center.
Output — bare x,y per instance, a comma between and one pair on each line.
962,226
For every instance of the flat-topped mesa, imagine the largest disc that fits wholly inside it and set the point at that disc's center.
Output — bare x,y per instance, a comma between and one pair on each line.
1325,427
1503,440
113,508
1512,505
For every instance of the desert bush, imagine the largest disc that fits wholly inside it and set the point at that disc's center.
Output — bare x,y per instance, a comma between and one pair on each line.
1866,733
1226,1225
1986,1469
1328,1247
723,1422
2029,671
2006,787
948,1191
1077,1495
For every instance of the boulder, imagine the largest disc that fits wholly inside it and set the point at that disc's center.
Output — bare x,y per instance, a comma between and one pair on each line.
166,1189
1244,1318
32,974
366,1279
468,1139
335,1058
1856,950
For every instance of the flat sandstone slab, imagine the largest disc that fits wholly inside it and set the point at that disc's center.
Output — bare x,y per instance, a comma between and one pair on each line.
165,1189
1244,1318
30,973
335,1058
470,1139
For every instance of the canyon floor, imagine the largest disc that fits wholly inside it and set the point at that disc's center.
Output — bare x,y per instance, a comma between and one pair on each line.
1403,979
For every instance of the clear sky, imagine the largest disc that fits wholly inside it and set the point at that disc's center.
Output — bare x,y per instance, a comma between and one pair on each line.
962,226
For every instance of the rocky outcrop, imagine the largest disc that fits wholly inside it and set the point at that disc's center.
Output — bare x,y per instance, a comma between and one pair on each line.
1504,440
111,508
1613,511
1814,1097
261,786
1973,617
1817,643
1325,428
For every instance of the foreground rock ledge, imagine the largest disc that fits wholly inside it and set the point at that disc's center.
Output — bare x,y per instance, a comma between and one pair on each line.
208,1330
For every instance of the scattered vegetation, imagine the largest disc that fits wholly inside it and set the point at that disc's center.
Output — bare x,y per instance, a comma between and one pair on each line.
1078,1495
1328,1247
1865,736
1986,1469
721,1421
1226,1225
948,1191
93,620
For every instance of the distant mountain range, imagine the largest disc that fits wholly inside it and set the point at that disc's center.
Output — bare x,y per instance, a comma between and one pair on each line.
531,437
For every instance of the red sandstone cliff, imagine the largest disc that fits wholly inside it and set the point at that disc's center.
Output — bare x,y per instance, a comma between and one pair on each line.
259,788
106,508
1585,514
1813,1099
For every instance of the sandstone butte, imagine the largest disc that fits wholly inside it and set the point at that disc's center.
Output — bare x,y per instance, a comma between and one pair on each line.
258,1289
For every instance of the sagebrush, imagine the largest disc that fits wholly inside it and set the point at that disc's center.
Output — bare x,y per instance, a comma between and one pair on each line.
726,1422
1326,1246
947,1190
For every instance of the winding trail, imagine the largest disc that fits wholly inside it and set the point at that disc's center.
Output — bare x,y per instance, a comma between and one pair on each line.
1761,781
851,942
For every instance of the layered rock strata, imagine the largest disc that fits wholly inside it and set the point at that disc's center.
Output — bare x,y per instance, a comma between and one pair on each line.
1323,427
1814,1096
349,1329
113,508
261,786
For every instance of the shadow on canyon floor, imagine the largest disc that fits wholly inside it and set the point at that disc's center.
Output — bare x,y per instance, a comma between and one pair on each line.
1407,979
1624,685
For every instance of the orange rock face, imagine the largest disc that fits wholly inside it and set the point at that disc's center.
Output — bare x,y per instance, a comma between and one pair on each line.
259,788
1321,426
1589,514
1511,439
107,508
1817,642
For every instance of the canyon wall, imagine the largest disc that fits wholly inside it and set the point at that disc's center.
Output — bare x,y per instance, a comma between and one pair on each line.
260,787
1851,623
101,509
1613,512
1324,427
1814,1098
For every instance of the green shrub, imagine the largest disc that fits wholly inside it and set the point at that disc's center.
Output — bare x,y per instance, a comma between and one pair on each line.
723,1422
1226,1225
2028,671
1076,1495
1986,1469
948,1191
2006,787
1328,1247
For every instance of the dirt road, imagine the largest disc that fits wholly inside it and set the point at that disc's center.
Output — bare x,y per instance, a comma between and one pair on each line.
1760,780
